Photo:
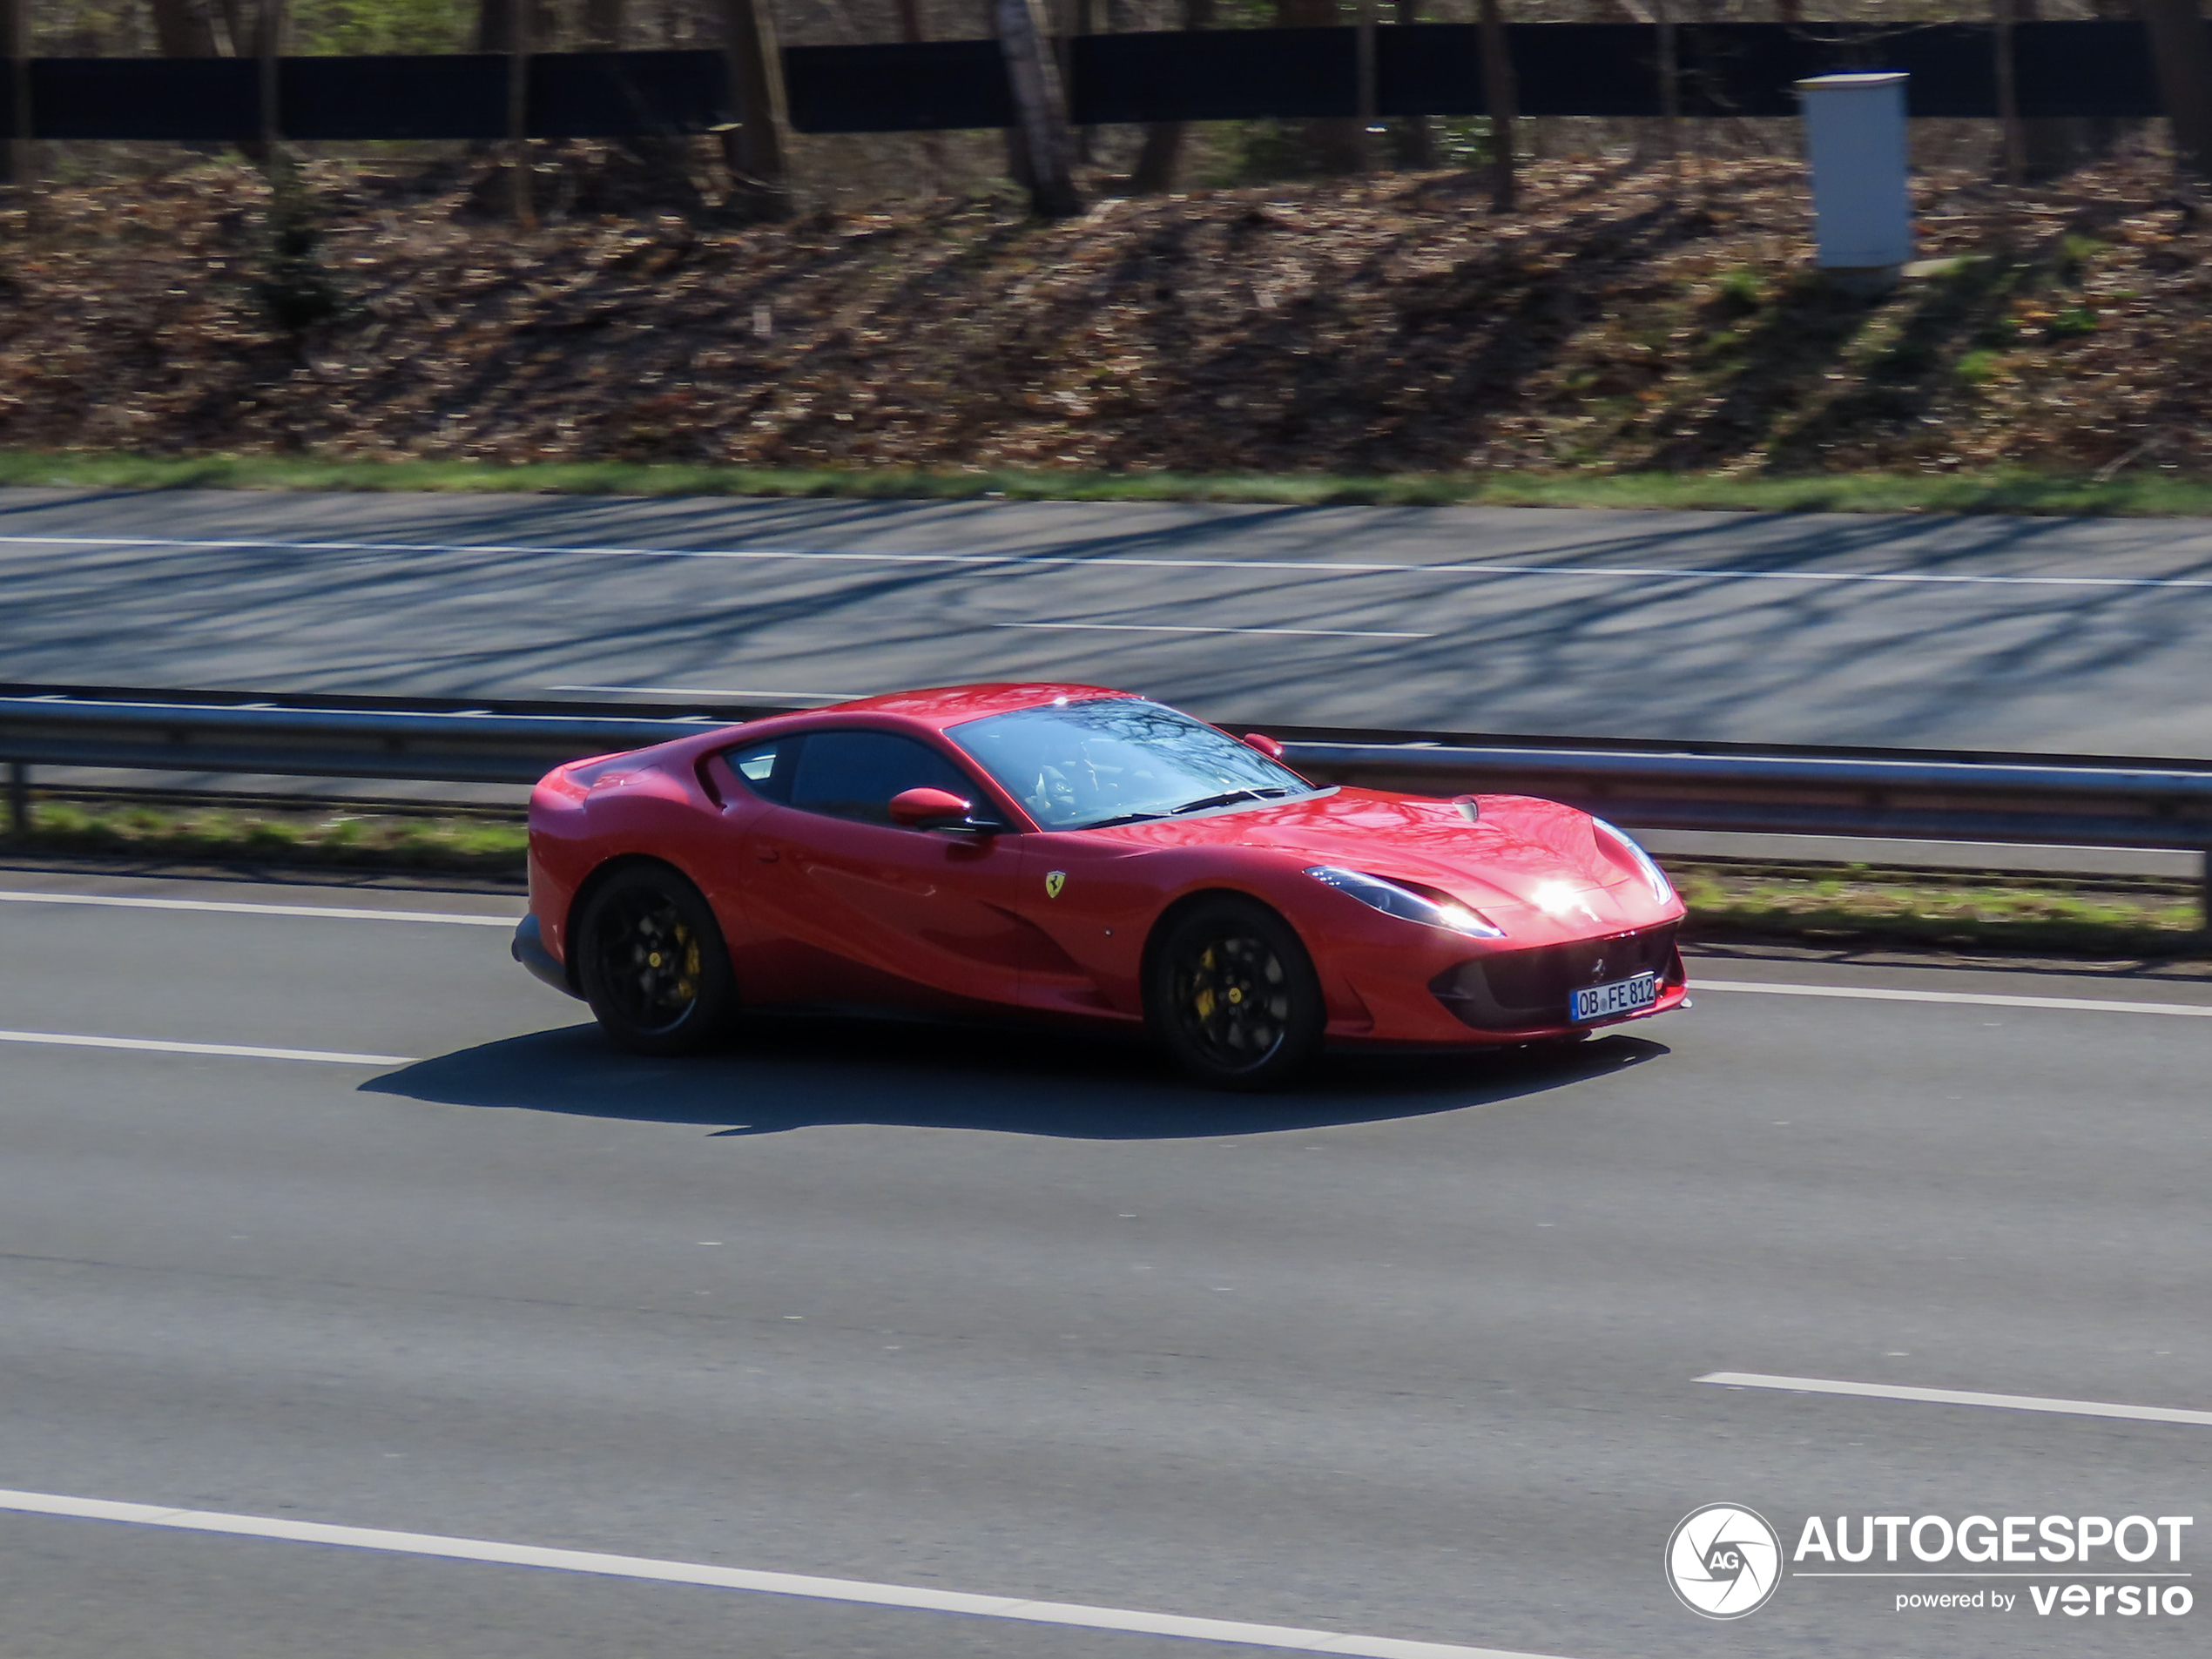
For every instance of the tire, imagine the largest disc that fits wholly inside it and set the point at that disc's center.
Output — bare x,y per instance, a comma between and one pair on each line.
1232,996
652,963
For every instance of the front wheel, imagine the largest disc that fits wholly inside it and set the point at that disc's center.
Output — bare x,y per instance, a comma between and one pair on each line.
652,963
1232,996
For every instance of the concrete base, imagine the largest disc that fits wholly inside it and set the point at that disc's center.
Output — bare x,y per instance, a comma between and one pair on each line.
1861,281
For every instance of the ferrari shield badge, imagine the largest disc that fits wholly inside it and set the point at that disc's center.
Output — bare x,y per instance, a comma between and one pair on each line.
1053,881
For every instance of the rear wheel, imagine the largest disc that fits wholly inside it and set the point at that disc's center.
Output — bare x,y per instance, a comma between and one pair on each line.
1233,996
652,963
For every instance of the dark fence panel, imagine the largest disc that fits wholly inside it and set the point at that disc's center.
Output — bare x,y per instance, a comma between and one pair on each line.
1216,75
932,86
572,95
394,97
185,98
2065,69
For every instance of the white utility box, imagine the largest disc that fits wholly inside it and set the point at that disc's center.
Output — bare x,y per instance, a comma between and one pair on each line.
1855,141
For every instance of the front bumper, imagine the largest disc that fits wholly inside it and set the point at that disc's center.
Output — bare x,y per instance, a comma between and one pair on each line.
1520,990
527,948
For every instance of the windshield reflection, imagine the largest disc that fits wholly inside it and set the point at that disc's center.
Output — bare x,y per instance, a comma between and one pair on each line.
1119,760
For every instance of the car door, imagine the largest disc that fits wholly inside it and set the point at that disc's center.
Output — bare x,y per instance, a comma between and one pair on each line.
865,910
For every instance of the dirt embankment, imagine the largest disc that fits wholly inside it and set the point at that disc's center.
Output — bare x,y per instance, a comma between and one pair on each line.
1383,325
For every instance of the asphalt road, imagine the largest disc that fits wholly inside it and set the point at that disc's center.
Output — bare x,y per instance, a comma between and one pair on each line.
1982,633
1411,1353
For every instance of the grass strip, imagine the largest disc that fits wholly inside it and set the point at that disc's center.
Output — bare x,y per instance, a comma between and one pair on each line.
2104,917
2147,494
1858,905
380,839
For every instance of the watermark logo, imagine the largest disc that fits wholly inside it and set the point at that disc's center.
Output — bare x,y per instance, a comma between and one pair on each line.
1724,1561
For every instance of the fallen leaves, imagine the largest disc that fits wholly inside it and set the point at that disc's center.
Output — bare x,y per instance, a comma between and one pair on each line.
1378,324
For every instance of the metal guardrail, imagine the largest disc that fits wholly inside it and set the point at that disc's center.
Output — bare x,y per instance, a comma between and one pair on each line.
1878,794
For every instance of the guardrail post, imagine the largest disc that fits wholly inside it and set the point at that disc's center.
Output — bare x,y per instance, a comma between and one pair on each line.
19,798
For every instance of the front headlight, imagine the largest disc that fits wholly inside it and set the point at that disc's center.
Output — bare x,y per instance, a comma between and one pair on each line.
1404,903
1654,877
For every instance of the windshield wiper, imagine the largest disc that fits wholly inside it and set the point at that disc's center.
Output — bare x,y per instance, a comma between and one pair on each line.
1230,799
1204,804
1121,818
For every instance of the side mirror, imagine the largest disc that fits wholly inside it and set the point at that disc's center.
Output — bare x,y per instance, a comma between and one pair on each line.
1265,744
932,809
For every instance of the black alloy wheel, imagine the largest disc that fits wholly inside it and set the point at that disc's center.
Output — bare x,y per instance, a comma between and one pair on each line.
1233,996
653,965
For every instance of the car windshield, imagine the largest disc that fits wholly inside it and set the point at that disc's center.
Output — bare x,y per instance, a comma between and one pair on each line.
1117,760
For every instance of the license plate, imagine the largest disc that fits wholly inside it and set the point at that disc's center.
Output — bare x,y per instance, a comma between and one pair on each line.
1604,1001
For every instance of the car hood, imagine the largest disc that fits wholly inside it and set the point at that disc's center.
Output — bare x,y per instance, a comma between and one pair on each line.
1518,853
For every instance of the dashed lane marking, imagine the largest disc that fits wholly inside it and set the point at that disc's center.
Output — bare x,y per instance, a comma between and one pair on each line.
222,1050
1961,1397
230,908
1282,1638
1971,999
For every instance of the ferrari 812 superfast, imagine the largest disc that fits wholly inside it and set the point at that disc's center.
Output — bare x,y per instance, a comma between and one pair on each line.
1068,852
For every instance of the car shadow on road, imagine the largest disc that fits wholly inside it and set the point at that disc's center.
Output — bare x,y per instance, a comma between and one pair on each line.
789,1073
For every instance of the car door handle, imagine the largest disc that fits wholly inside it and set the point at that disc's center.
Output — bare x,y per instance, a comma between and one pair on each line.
767,855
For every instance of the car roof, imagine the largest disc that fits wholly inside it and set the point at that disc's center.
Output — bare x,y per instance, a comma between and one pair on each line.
948,706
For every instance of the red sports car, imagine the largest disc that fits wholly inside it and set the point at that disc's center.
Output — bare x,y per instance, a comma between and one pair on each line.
1084,854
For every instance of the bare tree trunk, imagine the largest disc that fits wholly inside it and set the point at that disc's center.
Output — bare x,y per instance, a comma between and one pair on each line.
1498,93
1156,162
1040,110
237,26
16,166
1333,144
754,147
2183,60
1412,140
2012,143
518,114
183,30
495,25
1368,92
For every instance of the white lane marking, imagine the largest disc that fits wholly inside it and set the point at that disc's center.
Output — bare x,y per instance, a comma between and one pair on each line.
1164,628
228,1050
1971,999
702,690
1282,1637
1959,1397
230,907
1609,572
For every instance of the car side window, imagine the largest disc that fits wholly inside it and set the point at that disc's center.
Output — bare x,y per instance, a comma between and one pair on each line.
854,775
764,768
